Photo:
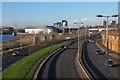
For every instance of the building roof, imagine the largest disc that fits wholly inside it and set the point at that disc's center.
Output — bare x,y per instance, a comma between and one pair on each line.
36,27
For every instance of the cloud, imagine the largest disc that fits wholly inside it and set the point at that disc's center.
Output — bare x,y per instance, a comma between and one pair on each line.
81,20
93,20
84,19
87,21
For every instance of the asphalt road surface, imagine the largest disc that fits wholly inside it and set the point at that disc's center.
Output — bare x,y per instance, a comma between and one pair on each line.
10,60
96,64
61,65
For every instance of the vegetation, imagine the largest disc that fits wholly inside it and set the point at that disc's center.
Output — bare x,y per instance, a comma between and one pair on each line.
20,69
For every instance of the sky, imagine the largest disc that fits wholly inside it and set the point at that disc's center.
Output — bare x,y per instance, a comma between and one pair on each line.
47,13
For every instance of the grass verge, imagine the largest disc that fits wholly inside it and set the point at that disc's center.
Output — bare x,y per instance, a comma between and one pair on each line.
20,69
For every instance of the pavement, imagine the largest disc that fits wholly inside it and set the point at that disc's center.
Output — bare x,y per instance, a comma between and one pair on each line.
61,65
96,63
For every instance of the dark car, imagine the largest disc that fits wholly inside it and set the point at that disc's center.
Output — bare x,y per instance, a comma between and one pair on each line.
97,51
109,63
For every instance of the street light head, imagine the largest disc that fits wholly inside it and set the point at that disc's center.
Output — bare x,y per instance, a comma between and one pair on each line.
99,15
114,15
81,22
75,23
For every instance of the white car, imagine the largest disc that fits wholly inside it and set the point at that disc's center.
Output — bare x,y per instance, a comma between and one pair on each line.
91,41
15,53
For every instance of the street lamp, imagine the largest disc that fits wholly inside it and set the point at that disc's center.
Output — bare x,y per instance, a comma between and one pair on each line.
107,28
77,23
107,32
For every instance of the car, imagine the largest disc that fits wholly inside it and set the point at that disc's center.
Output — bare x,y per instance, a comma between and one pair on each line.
15,53
91,41
65,47
97,51
109,63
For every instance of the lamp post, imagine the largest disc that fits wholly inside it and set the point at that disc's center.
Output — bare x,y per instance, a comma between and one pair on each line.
78,33
107,34
107,28
77,23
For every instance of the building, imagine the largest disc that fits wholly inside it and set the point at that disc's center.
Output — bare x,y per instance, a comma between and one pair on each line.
104,23
57,24
38,30
7,30
65,23
54,29
113,40
113,23
61,25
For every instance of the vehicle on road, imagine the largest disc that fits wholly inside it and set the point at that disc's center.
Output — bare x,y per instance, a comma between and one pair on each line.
109,63
65,47
91,41
15,53
97,51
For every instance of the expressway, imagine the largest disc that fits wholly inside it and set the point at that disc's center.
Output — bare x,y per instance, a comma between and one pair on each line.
96,63
60,65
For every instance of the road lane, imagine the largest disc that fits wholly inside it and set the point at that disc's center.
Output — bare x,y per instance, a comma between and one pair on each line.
97,65
61,65
10,60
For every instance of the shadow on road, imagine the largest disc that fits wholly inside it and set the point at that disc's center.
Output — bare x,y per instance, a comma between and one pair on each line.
96,74
52,68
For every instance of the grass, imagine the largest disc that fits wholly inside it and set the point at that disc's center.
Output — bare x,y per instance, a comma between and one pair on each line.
20,69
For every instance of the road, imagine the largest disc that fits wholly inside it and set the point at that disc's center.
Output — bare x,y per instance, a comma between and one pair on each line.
10,60
96,63
61,65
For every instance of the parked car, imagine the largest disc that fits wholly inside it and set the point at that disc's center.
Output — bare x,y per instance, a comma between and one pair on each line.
97,51
109,63
15,53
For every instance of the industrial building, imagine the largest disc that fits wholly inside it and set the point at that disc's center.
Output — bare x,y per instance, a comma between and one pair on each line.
42,30
63,25
37,30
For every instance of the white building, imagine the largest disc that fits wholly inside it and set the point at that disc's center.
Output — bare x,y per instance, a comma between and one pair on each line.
37,30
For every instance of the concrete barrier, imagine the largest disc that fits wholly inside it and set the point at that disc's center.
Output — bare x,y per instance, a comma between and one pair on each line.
82,71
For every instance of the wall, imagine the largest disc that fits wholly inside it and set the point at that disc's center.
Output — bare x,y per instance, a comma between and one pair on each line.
113,40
